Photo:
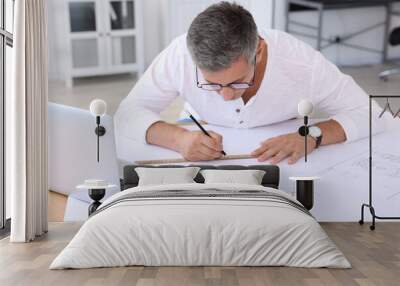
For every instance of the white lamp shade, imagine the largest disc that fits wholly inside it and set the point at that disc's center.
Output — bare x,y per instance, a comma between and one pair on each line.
305,107
98,107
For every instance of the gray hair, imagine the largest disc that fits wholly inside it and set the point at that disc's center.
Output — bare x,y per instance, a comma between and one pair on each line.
221,34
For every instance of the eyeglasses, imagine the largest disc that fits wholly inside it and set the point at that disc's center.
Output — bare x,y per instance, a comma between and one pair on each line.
234,85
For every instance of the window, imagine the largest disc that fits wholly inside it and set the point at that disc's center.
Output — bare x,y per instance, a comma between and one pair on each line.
6,43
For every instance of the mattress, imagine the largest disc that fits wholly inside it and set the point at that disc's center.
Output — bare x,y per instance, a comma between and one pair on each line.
201,225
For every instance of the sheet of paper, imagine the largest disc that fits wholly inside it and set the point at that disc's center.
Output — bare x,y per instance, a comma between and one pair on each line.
235,141
343,168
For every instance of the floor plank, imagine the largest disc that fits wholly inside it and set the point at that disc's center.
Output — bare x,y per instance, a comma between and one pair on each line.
56,206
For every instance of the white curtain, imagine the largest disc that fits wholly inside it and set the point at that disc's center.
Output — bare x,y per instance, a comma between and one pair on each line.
26,123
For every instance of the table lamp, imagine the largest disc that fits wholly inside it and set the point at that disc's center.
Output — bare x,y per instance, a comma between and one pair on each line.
98,108
305,107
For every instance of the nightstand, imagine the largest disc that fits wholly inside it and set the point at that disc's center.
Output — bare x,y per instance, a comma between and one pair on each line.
96,190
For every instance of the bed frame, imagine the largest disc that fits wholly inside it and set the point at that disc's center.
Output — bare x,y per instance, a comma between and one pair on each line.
271,178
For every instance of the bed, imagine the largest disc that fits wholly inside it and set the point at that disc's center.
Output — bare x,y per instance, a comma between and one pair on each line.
201,224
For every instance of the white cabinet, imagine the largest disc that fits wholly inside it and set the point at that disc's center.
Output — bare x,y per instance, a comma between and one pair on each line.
104,37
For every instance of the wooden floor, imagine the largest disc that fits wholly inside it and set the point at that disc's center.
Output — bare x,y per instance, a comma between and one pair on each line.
56,206
375,257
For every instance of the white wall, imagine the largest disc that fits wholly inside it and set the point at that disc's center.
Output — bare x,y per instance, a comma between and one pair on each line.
57,46
154,22
165,19
180,13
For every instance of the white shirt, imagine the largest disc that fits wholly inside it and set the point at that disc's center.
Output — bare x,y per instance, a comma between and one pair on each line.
294,71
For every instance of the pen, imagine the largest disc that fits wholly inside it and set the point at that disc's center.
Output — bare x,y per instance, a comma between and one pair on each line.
202,129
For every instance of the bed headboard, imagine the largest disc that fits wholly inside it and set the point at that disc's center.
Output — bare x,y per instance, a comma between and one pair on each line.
270,179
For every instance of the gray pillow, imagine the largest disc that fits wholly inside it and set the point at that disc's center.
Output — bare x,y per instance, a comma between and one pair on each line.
248,177
166,176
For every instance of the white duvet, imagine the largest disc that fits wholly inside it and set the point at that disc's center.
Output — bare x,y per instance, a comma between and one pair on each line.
200,231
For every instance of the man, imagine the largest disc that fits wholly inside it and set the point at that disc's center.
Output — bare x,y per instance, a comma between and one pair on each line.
233,75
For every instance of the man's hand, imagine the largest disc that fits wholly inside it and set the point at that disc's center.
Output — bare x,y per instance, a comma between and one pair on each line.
280,147
196,146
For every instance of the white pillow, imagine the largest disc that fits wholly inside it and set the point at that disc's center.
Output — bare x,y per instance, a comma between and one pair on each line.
248,177
165,176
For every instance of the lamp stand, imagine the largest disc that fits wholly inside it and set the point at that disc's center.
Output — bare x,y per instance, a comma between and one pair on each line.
303,131
99,131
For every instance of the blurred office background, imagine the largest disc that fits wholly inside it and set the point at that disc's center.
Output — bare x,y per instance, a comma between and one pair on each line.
99,48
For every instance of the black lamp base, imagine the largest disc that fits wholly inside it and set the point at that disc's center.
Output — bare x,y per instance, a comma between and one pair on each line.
100,130
96,195
305,193
303,130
